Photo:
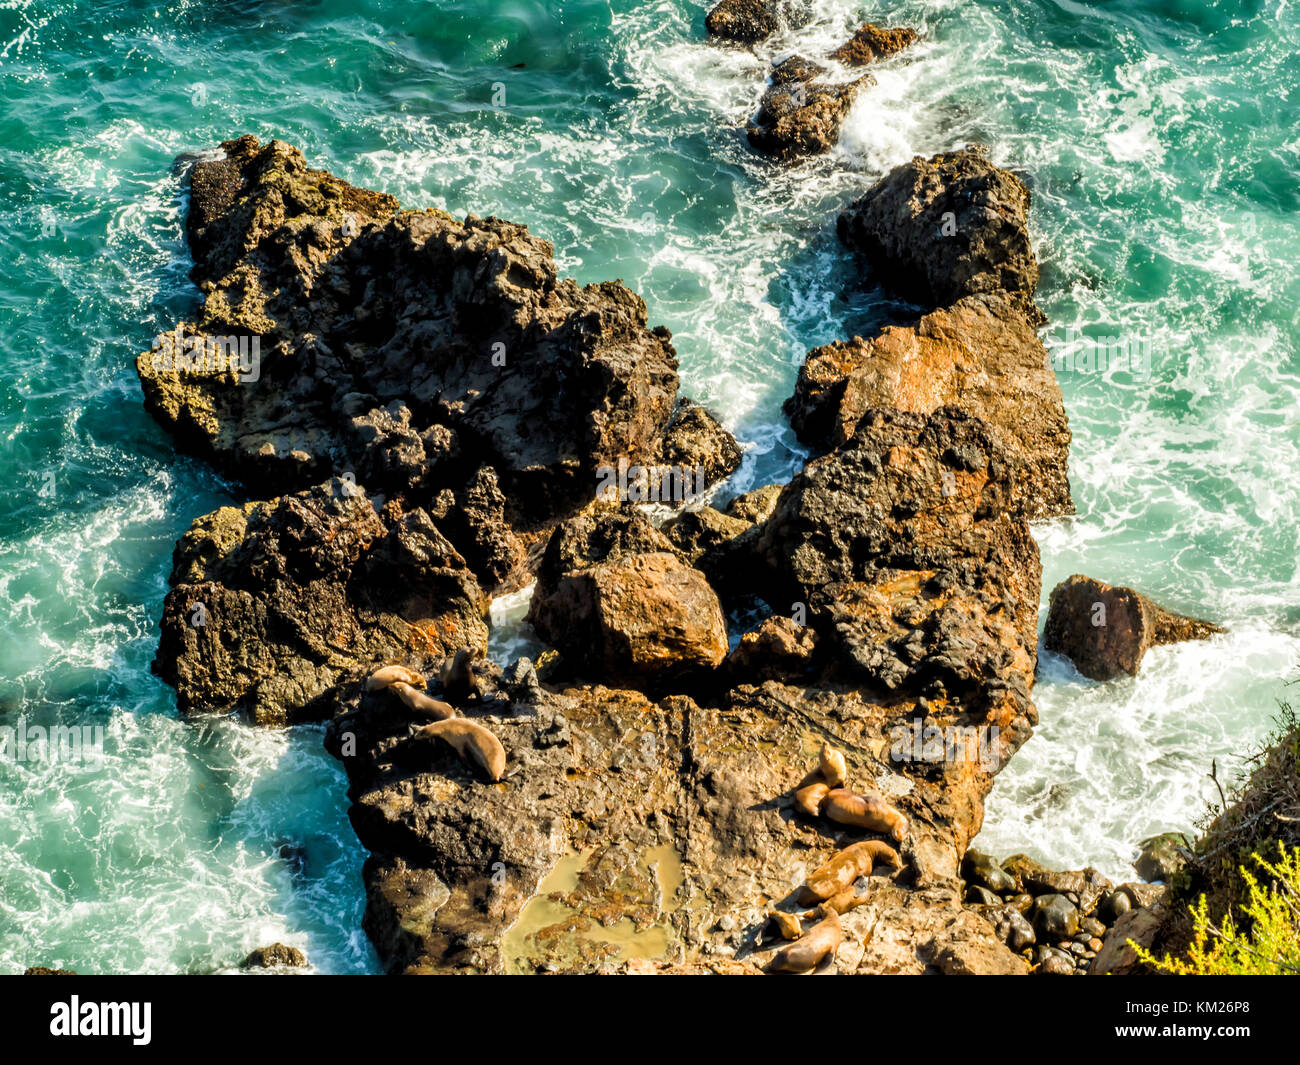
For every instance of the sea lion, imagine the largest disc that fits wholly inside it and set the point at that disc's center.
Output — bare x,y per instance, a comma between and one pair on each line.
459,679
840,872
472,741
832,766
865,811
820,942
423,704
810,796
846,900
787,925
386,675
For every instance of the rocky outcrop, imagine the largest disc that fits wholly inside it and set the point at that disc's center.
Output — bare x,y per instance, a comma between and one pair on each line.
900,546
779,649
1106,630
743,21
271,603
947,227
408,350
802,111
873,42
981,354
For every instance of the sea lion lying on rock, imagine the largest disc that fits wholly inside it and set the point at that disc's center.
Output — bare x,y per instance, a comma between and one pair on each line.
475,744
810,796
423,704
868,811
386,676
819,943
844,868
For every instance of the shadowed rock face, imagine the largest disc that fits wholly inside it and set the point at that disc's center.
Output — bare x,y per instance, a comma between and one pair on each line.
405,347
1105,631
946,227
272,602
981,354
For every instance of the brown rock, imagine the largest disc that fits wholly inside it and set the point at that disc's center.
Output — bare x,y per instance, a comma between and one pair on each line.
697,531
983,355
777,649
801,114
643,618
1116,957
755,506
270,604
1105,630
274,956
872,42
743,21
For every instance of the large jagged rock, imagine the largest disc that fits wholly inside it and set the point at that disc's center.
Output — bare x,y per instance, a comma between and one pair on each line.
873,42
942,228
801,112
640,619
983,355
641,836
272,602
1106,630
900,545
406,348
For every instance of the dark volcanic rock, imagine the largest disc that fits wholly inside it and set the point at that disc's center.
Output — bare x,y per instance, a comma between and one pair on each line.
801,113
404,347
873,42
601,536
983,355
272,602
695,440
942,228
697,531
1105,631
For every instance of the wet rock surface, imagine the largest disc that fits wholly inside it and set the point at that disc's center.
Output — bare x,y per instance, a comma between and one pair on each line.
872,42
1106,630
801,112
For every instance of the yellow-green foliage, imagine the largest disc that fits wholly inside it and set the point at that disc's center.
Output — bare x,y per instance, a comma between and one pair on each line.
1272,915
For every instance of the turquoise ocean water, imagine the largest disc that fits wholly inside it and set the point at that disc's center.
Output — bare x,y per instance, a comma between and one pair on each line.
1160,138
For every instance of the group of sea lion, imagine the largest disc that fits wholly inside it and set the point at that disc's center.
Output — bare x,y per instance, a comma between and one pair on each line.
830,888
475,744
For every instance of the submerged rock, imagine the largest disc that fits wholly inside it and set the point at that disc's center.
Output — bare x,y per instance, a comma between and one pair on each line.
801,113
943,228
277,955
1106,630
